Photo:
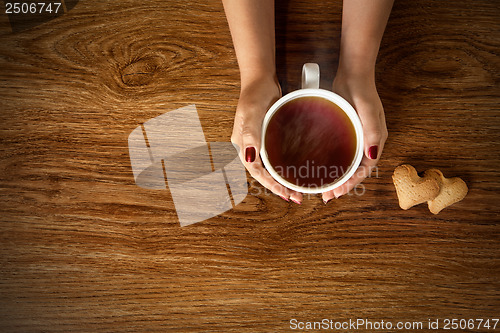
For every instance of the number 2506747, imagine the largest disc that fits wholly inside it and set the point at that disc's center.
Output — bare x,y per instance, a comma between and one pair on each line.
32,7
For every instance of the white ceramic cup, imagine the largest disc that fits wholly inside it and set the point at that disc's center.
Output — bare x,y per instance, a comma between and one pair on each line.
310,88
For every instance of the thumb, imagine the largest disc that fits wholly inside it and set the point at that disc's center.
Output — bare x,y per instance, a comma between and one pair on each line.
373,132
251,145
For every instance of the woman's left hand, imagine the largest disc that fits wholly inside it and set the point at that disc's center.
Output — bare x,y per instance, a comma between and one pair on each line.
361,93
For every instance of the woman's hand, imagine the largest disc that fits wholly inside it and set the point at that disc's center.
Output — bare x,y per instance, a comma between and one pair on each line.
363,24
252,28
361,93
255,99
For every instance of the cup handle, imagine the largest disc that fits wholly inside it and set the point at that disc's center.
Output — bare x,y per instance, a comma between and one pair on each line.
310,76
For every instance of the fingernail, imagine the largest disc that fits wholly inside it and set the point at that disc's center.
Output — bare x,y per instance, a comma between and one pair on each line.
250,154
326,201
373,152
284,198
297,202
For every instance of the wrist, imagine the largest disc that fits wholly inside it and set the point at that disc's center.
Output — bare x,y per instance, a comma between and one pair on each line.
356,67
257,75
356,77
358,57
354,81
258,94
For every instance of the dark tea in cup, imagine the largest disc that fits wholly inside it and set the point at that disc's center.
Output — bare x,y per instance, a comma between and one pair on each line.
310,141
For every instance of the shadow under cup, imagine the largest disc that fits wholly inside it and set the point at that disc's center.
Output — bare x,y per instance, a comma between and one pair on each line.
311,144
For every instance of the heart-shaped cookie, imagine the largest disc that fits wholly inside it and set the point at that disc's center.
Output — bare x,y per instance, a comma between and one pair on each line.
452,190
412,189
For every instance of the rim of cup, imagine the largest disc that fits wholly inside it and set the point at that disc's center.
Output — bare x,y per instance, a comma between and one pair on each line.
344,106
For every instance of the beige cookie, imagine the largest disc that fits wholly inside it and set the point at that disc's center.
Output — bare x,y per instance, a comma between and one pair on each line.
412,189
452,190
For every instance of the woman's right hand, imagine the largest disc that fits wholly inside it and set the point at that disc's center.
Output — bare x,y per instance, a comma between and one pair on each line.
256,98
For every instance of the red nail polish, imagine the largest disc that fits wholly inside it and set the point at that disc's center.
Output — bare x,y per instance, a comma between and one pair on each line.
373,152
284,198
250,154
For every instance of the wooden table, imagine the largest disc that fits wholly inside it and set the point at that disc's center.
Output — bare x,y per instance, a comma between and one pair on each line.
85,249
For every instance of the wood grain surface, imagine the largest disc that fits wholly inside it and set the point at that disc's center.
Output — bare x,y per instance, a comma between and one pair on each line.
82,248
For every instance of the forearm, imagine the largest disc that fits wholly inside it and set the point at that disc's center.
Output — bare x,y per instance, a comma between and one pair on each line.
363,24
252,29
